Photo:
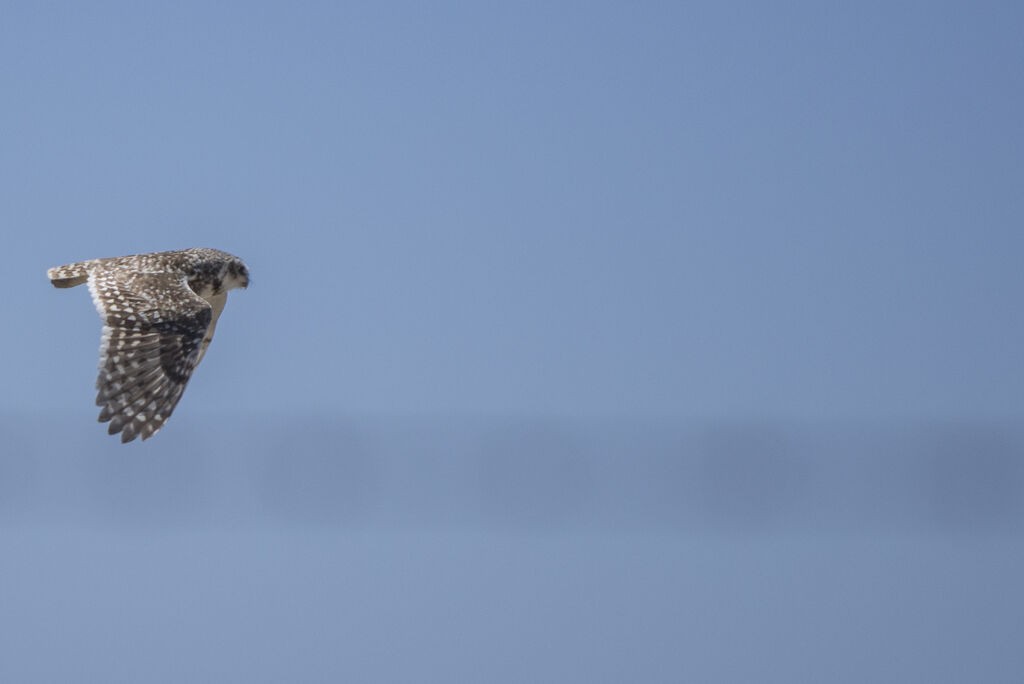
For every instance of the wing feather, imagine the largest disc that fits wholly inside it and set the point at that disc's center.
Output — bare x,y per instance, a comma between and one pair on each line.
153,332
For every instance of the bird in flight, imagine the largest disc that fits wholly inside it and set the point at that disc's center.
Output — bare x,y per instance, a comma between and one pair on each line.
159,311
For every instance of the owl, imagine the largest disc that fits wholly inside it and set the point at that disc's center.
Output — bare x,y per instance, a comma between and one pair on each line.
159,312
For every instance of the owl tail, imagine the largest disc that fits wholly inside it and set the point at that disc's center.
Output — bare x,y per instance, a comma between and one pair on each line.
70,275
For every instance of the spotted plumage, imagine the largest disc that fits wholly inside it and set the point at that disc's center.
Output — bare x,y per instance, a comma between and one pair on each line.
159,312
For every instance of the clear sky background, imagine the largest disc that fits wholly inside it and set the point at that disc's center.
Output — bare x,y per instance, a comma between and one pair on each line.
586,341
680,210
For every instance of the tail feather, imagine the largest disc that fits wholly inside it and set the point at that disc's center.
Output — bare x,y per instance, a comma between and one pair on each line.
70,275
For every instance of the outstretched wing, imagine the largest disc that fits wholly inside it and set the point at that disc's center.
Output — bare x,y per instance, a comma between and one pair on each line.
153,329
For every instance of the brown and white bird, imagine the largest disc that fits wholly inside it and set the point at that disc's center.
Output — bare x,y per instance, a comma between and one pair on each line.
159,311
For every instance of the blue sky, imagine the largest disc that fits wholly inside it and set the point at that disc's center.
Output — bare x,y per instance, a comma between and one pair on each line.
706,210
718,222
